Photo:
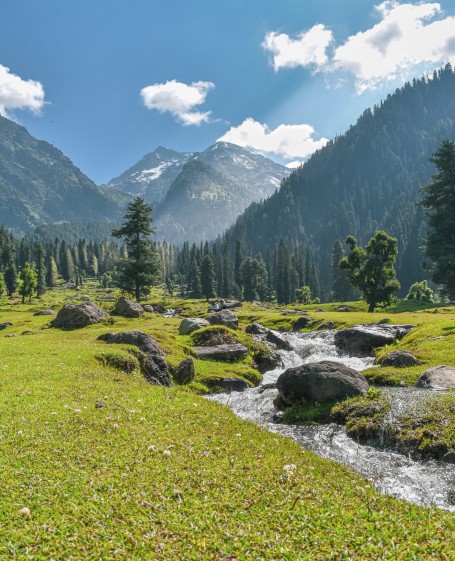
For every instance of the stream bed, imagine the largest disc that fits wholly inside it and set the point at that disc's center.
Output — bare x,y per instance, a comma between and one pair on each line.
428,483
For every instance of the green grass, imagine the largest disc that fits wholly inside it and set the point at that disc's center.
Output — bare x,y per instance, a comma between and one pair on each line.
165,474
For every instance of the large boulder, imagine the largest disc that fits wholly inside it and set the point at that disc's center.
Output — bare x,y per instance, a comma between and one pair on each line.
188,325
221,352
400,359
268,361
363,339
272,337
213,337
437,378
75,316
127,308
185,371
151,359
224,317
320,381
301,323
256,329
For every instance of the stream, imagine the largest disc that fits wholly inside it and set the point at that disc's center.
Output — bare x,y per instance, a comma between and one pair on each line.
426,483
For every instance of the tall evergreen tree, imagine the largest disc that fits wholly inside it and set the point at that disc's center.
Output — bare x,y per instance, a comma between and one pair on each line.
208,277
341,287
139,272
40,270
438,200
52,272
194,279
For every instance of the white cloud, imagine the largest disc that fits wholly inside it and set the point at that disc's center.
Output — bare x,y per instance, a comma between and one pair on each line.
295,164
408,36
16,93
287,141
309,49
179,100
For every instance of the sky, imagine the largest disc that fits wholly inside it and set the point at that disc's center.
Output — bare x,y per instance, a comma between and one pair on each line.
107,81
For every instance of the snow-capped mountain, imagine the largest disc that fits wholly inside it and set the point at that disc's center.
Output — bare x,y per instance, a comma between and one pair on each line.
152,176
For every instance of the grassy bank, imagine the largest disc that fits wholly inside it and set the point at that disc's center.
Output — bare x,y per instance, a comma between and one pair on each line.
165,474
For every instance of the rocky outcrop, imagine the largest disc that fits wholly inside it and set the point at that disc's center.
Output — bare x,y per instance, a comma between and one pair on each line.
188,325
363,339
213,337
151,358
185,372
437,378
45,313
221,352
320,381
224,317
400,359
127,308
269,335
76,316
227,384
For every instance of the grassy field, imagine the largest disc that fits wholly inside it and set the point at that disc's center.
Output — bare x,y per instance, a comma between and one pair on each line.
165,474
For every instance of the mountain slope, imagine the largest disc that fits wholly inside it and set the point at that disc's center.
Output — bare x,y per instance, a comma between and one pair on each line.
152,175
213,188
39,184
367,179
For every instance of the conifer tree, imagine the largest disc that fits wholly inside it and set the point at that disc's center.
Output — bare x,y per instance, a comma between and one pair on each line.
341,287
40,270
52,272
208,277
194,279
2,285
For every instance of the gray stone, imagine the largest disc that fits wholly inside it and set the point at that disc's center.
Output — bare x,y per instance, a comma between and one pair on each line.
256,329
75,316
301,323
185,372
266,362
221,352
224,317
326,325
343,309
233,304
400,359
188,325
152,360
272,337
449,457
437,377
100,404
127,308
45,313
363,339
5,325
320,381
227,384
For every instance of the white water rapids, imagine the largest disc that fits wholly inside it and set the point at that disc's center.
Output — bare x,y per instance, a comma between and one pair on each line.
428,483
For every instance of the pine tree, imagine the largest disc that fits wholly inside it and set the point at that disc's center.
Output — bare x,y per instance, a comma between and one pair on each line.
438,200
52,272
139,272
341,287
40,270
208,277
194,279
2,285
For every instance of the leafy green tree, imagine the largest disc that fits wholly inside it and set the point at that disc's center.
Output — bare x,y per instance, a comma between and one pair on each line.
28,282
140,271
371,270
438,200
420,291
52,272
208,277
170,285
303,295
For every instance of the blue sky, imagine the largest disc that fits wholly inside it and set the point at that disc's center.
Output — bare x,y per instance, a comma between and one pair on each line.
107,81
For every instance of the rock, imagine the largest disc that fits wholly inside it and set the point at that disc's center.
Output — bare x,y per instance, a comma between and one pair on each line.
278,341
5,325
214,337
384,321
363,339
10,335
221,352
449,457
85,298
227,384
188,325
45,313
266,362
320,381
127,308
185,372
148,308
301,323
256,329
233,304
402,384
152,361
224,317
75,316
100,404
437,377
400,359
326,325
320,310
343,309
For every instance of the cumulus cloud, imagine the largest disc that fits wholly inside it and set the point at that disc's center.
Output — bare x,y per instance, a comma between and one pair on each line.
408,36
16,93
179,100
309,49
287,141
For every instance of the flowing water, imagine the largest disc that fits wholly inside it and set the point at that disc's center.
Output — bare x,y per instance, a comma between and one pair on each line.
424,483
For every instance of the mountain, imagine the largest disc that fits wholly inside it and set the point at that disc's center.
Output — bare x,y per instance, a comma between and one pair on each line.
213,188
152,176
367,179
39,184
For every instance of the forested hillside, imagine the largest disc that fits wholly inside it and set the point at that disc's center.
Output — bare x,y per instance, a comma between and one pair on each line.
367,179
